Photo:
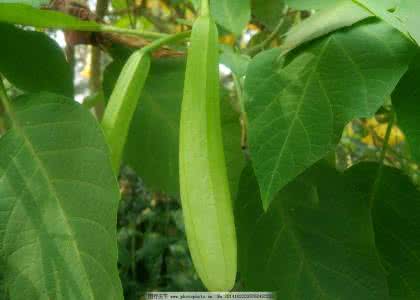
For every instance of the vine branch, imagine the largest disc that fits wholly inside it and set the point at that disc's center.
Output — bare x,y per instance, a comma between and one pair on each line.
173,38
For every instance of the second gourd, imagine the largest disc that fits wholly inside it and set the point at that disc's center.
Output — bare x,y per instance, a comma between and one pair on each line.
205,195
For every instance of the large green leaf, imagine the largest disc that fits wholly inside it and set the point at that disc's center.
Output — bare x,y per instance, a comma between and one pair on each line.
58,204
323,235
316,241
406,101
343,13
248,210
404,18
232,15
324,4
26,15
333,16
34,3
23,14
268,12
43,67
396,210
310,4
152,143
395,204
297,108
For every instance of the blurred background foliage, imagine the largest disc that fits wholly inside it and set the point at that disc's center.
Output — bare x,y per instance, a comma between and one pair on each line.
153,252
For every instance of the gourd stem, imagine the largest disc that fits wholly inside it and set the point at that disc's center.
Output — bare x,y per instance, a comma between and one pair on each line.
166,40
125,31
205,7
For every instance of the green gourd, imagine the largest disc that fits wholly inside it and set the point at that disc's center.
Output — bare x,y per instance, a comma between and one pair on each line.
205,196
126,93
123,102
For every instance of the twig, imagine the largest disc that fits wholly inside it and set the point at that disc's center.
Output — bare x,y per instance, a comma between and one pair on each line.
126,31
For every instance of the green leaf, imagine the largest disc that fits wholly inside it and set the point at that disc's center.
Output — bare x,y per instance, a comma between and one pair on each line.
343,13
310,4
248,210
405,18
43,67
152,143
58,203
33,3
232,15
408,13
27,15
317,238
268,12
236,62
316,241
395,203
397,228
406,101
321,4
297,110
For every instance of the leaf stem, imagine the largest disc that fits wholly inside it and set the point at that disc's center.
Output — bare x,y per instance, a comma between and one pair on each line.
128,31
168,39
382,158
